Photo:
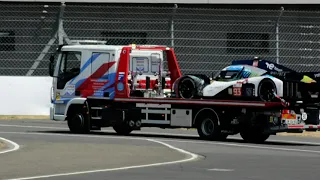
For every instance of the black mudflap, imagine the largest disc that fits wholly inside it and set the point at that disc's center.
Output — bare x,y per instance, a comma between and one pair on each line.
110,116
313,116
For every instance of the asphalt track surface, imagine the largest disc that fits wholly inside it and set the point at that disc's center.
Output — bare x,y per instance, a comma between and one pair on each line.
46,150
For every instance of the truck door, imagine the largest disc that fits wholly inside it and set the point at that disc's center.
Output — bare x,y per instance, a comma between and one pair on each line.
67,70
102,74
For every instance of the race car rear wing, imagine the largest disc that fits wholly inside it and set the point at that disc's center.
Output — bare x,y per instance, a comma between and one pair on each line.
313,75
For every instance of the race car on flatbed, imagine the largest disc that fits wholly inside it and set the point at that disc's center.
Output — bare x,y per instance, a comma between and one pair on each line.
256,79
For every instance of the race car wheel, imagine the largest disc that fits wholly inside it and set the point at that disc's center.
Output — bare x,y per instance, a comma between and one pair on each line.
187,88
266,90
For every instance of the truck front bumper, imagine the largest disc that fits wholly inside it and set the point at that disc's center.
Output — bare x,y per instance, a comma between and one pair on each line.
56,117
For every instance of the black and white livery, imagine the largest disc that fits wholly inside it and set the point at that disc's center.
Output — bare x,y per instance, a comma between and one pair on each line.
248,79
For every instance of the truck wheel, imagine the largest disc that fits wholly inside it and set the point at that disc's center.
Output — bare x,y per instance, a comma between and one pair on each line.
122,129
208,128
253,130
78,121
254,135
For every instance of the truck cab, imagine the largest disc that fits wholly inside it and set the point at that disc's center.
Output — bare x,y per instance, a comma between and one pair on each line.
89,69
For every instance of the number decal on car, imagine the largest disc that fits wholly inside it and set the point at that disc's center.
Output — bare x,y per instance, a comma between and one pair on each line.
237,91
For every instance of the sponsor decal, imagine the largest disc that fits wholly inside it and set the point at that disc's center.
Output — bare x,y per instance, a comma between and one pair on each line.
317,75
70,90
278,73
244,81
121,76
120,86
271,66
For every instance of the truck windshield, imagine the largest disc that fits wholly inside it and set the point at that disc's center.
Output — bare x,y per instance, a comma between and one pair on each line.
69,67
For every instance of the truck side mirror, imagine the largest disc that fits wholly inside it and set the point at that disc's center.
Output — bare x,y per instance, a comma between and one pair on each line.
147,82
51,65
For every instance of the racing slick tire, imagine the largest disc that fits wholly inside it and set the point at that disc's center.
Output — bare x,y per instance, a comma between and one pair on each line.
188,87
78,120
265,90
208,127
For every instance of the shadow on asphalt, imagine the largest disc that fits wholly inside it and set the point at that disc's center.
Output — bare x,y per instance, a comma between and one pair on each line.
179,138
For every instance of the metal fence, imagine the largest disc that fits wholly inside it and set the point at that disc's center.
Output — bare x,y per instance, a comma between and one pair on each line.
205,39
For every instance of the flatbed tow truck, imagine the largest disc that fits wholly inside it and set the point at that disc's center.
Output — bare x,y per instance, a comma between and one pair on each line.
126,87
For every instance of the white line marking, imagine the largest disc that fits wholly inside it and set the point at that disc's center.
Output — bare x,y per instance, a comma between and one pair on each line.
191,157
241,145
222,170
14,148
158,133
170,140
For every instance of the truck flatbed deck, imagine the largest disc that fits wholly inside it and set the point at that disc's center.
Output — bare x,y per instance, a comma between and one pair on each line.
178,101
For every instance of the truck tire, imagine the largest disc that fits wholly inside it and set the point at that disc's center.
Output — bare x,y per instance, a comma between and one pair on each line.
122,129
78,120
208,127
254,135
252,131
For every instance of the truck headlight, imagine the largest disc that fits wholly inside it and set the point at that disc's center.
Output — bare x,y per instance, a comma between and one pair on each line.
52,94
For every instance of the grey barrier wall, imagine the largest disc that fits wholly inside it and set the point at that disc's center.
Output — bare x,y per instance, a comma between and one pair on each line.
205,38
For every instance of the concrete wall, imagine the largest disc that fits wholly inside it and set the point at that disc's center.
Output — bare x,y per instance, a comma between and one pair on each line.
25,95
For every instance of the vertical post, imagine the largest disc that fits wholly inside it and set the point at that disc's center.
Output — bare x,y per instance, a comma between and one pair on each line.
61,32
55,35
277,35
172,24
